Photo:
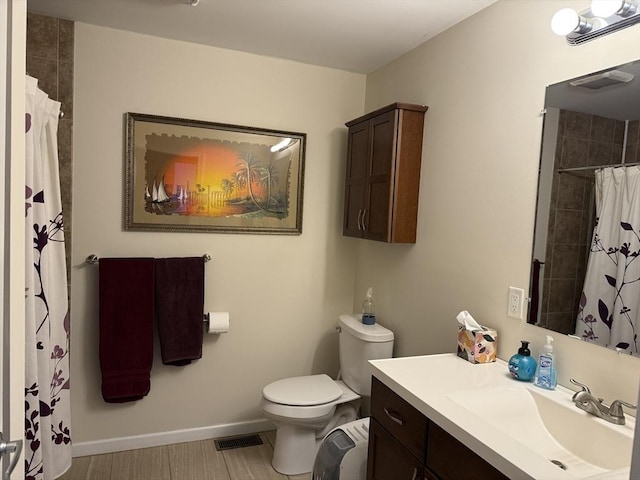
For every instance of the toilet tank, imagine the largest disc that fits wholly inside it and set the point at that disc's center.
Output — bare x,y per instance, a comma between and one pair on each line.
360,343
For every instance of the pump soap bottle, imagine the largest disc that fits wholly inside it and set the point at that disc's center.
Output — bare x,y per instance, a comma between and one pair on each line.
369,309
546,377
522,366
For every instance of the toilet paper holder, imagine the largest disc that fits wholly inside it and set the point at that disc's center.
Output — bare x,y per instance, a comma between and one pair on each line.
219,324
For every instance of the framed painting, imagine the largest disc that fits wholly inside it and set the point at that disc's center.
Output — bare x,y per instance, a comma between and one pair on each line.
195,176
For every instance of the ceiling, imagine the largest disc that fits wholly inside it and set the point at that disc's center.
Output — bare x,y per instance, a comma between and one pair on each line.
353,35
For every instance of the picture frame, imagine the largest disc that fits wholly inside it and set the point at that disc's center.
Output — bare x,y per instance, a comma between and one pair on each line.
196,176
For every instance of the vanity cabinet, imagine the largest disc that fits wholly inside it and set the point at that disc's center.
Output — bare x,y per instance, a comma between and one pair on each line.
404,444
389,459
384,152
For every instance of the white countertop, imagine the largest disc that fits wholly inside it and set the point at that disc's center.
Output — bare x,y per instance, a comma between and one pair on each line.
426,383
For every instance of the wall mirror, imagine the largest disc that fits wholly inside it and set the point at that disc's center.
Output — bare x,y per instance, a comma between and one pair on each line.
591,134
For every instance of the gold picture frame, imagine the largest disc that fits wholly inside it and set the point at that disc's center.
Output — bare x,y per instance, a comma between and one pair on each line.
196,176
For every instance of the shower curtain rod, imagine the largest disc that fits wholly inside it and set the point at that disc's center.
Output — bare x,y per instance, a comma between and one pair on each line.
94,259
596,167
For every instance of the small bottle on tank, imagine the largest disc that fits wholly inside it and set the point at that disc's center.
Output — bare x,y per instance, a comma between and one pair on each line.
369,308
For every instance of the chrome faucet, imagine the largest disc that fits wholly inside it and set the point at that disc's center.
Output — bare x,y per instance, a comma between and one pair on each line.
584,400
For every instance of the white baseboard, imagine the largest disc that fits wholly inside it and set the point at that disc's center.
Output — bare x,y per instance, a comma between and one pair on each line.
118,444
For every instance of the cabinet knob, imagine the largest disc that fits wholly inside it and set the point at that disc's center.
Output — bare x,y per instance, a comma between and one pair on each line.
415,473
364,214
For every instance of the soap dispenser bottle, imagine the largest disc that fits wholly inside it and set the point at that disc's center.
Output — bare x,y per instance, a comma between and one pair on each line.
546,377
522,366
369,309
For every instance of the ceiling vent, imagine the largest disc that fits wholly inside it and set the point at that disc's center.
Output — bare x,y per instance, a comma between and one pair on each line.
601,80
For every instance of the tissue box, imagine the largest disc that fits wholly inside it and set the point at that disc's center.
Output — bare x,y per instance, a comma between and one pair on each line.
477,346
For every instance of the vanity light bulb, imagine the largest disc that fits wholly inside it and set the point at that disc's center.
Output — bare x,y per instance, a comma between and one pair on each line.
606,8
565,21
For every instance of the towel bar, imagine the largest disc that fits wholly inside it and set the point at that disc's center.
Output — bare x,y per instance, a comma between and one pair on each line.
94,259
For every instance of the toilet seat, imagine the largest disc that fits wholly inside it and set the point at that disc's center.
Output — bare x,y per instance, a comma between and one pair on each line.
303,391
309,412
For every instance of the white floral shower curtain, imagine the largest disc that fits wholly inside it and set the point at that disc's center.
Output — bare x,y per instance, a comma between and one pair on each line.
610,301
47,450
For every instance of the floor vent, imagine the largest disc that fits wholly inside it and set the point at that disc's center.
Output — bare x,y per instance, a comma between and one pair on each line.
238,442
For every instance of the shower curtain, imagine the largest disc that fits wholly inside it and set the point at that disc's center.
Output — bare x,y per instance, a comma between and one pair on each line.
47,450
610,301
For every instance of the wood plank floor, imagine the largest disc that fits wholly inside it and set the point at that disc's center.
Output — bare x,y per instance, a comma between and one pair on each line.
183,461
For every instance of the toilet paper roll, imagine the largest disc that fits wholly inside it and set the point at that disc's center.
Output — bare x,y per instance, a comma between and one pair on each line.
218,322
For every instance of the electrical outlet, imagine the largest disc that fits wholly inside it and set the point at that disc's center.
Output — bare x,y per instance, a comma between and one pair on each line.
516,302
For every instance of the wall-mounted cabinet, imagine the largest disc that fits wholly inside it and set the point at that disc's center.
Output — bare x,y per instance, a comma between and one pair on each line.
384,153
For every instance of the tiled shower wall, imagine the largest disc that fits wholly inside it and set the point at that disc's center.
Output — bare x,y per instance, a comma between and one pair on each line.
583,140
632,152
50,60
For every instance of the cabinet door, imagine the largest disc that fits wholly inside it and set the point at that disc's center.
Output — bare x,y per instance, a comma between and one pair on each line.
388,460
399,418
379,196
356,179
451,460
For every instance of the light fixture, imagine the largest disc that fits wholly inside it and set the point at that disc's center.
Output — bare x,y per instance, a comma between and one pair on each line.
604,17
606,8
284,143
194,3
567,20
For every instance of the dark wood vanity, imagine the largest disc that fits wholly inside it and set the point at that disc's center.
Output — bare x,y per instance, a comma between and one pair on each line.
384,153
404,444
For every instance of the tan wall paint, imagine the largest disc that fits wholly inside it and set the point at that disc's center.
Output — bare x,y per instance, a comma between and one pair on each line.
284,293
484,82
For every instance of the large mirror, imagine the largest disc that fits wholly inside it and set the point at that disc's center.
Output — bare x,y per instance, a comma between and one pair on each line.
585,275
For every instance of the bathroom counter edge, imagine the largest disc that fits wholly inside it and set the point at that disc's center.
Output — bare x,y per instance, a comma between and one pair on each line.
426,382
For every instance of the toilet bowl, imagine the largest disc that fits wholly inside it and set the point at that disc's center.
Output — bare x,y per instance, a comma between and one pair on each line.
304,410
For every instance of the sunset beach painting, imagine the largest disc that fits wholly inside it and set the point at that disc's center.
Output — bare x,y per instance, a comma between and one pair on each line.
186,175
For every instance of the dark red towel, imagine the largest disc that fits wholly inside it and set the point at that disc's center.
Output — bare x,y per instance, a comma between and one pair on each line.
532,318
180,308
126,327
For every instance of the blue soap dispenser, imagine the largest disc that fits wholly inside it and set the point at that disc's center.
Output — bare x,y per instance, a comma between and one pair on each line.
522,366
547,377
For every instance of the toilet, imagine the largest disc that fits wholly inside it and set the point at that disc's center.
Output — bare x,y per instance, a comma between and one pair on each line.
304,409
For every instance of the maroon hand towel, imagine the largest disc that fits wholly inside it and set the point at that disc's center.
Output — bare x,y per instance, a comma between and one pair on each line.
126,327
180,308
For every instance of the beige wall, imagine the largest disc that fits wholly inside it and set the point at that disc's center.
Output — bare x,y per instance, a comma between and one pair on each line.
284,293
484,83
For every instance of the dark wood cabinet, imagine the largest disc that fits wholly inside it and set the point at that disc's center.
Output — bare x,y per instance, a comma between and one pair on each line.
404,444
388,458
384,153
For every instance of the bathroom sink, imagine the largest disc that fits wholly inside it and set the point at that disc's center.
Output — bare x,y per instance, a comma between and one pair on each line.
548,424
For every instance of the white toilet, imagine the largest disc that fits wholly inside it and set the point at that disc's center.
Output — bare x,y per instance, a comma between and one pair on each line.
305,409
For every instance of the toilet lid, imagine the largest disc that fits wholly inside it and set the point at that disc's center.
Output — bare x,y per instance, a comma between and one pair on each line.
303,391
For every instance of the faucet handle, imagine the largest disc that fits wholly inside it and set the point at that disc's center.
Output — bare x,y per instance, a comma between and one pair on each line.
615,410
581,385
